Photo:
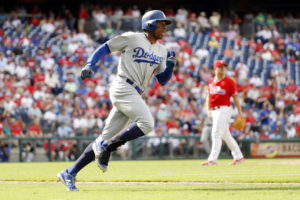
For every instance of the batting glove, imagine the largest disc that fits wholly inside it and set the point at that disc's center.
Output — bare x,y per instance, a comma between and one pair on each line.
86,72
171,59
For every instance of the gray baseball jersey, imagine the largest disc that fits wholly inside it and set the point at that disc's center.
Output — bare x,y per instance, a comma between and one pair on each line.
139,61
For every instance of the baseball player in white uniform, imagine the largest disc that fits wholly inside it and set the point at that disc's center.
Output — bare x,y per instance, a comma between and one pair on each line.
206,135
142,57
220,89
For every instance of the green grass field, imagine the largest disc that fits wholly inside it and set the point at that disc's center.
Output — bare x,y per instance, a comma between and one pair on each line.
180,179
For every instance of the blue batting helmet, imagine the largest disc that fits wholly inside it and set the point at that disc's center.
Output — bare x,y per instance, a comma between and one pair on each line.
150,18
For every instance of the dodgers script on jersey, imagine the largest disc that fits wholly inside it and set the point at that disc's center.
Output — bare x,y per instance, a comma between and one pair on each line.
221,91
140,59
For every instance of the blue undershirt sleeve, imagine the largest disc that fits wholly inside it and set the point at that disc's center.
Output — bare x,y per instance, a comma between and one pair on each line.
99,53
166,75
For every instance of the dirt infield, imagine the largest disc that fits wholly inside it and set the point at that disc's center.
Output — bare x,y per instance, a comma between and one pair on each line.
146,183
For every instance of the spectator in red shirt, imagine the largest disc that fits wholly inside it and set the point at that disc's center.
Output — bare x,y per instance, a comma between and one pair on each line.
83,15
1,32
237,20
1,129
245,87
259,47
297,130
35,21
92,93
172,122
216,33
263,134
170,12
250,119
65,62
103,111
252,43
128,11
35,129
16,127
291,87
297,93
53,149
38,76
31,63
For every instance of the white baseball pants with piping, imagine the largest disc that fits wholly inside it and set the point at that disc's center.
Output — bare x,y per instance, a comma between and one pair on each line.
128,105
220,130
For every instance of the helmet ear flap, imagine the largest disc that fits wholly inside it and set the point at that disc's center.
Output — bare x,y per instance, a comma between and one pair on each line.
151,26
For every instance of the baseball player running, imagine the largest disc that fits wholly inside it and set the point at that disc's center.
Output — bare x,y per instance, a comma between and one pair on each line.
220,89
142,56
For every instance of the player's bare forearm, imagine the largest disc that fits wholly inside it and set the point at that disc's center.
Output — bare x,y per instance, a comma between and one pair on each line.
237,104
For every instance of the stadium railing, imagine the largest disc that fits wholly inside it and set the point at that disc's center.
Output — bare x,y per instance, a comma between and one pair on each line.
154,147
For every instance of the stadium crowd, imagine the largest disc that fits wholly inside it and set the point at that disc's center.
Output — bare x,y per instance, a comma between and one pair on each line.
41,56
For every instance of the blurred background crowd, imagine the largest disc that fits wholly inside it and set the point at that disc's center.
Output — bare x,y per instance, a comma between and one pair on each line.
41,55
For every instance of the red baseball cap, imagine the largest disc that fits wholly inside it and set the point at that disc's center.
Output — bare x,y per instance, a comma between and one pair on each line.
219,63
